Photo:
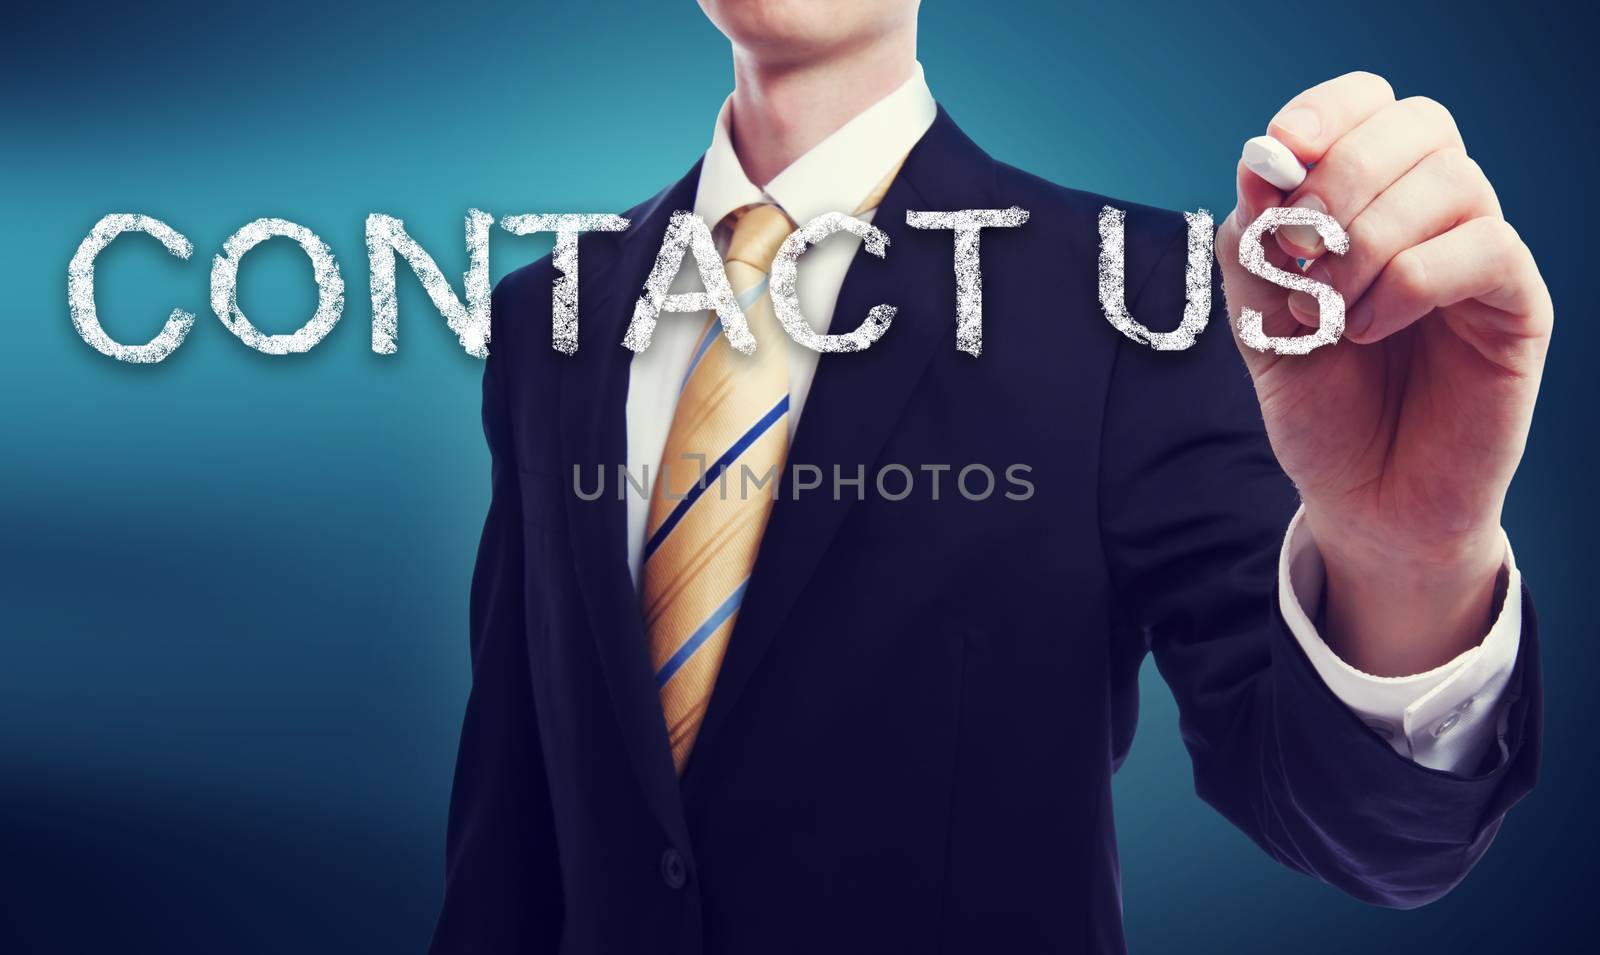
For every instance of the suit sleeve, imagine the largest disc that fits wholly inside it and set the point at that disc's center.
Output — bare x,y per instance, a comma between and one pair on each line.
1193,511
502,883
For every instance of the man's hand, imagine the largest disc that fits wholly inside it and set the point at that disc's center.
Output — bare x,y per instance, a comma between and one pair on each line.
1403,437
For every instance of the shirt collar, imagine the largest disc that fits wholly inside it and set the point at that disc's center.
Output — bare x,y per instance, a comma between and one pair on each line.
835,174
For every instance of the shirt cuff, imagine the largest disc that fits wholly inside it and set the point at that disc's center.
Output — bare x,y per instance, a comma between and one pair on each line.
1446,718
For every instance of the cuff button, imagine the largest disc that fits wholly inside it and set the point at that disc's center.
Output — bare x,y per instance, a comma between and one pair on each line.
674,871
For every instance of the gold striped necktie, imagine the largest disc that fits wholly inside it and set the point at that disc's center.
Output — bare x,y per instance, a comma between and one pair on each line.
705,523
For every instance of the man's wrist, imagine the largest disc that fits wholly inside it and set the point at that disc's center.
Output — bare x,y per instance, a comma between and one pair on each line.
1397,610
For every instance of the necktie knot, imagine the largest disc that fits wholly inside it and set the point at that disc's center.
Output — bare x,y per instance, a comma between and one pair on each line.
758,231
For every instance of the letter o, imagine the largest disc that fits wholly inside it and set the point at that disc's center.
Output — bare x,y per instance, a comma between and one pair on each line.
905,491
225,287
988,475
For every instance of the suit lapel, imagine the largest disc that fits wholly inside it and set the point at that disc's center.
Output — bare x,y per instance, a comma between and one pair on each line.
856,399
594,394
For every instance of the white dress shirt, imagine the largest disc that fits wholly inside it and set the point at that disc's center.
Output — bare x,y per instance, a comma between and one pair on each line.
1445,718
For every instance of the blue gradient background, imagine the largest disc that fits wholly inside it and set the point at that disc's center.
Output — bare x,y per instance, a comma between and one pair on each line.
233,587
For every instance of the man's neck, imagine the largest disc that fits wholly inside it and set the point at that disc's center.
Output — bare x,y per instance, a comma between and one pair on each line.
780,111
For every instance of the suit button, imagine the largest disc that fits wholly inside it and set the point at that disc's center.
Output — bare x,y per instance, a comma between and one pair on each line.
674,871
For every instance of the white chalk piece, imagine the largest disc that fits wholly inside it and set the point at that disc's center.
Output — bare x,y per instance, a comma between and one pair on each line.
1274,162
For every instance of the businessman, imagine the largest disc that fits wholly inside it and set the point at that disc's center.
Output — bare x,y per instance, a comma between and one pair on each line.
855,721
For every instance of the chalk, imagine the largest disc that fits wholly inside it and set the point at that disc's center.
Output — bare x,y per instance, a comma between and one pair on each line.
1274,162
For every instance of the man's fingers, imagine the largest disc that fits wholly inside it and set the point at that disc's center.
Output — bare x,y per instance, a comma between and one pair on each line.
1244,290
1444,190
1313,121
1254,195
1483,261
1364,162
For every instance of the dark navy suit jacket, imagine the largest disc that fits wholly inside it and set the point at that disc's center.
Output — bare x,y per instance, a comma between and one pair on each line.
911,740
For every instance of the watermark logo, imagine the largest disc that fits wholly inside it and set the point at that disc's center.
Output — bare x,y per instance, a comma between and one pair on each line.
888,482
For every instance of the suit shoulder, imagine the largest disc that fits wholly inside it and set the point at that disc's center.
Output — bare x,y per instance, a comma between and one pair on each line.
1075,213
521,285
518,297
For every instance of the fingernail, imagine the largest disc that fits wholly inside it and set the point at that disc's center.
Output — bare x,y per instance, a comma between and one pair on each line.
1357,321
1299,122
1304,307
1306,240
1304,304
